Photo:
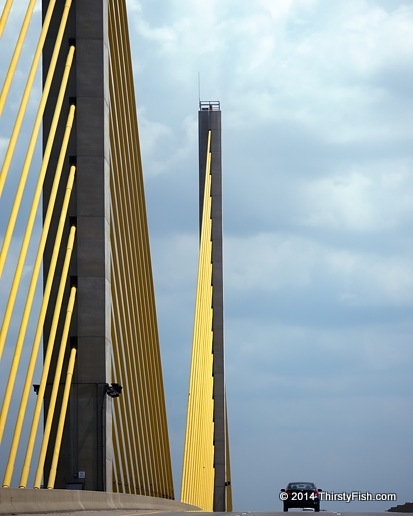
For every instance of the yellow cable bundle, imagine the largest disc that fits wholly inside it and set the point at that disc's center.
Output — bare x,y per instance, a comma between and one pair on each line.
198,467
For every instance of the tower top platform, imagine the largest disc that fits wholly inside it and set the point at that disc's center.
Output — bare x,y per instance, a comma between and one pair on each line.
209,105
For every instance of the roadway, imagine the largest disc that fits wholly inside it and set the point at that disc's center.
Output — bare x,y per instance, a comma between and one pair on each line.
122,512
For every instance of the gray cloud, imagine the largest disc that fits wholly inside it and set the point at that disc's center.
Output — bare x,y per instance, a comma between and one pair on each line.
317,160
317,151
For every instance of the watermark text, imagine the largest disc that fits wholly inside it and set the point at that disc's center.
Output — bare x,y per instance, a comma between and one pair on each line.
356,496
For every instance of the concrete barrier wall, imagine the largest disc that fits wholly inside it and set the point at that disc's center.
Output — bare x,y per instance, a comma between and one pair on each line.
32,501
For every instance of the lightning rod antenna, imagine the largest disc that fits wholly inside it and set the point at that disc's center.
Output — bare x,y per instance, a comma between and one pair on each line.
199,87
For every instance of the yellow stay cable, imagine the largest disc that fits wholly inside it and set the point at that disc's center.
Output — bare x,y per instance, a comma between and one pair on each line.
5,15
26,240
55,320
61,424
16,54
33,138
197,478
125,358
25,97
10,386
55,389
29,303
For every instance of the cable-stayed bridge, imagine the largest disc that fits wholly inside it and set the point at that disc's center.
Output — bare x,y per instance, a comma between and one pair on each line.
77,301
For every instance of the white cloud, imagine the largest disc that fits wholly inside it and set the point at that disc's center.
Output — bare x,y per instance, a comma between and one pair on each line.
331,87
165,36
278,263
268,262
363,198
163,148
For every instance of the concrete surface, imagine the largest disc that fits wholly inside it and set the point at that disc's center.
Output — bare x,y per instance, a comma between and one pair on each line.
32,501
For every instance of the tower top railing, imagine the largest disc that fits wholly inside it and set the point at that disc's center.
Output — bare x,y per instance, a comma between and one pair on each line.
209,105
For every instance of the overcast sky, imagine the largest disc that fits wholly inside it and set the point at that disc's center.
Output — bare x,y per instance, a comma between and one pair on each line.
317,108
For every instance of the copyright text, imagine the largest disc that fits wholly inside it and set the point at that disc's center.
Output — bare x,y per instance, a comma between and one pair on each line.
356,496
